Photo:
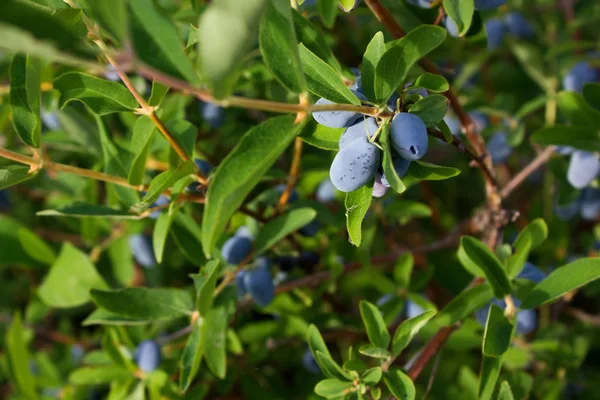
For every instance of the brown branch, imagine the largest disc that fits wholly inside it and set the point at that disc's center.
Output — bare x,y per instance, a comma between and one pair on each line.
293,175
541,159
430,350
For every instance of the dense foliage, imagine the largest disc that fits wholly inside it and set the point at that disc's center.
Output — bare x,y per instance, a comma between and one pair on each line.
275,199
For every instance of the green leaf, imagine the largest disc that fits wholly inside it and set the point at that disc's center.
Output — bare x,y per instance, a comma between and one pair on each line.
312,38
141,141
19,357
279,46
316,342
188,237
406,210
25,97
388,162
101,96
461,12
156,41
373,53
374,324
528,239
357,204
430,109
99,375
14,174
323,80
497,334
576,110
400,384
103,317
161,232
373,351
330,368
403,270
216,323
185,134
111,15
580,138
321,136
166,180
328,11
282,226
464,304
70,279
205,283
473,255
490,371
227,30
192,355
591,94
83,210
408,329
432,83
123,267
145,303
330,388
240,171
563,280
35,247
117,350
401,55
372,376
423,171
505,392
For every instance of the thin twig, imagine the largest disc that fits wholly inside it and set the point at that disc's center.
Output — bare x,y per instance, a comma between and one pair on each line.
541,159
293,175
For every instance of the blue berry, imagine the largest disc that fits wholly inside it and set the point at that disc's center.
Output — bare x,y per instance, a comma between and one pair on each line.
499,148
580,74
310,364
212,114
408,135
413,309
420,91
421,3
364,127
310,229
240,285
392,102
357,85
204,166
495,29
50,119
451,27
147,356
259,283
337,119
326,191
453,124
236,249
244,231
161,201
4,200
400,166
590,204
583,168
379,189
518,25
355,165
532,273
141,249
485,5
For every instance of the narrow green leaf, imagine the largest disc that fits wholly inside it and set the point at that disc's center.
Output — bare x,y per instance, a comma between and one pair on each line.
25,97
373,351
490,371
282,226
406,210
423,171
400,384
192,355
474,254
279,46
403,270
388,162
227,30
99,375
333,388
145,303
374,324
357,204
323,80
188,237
461,12
498,333
591,94
205,283
577,111
83,210
35,247
528,239
401,55
121,260
464,304
330,368
143,133
111,15
312,38
156,41
216,322
70,279
316,342
166,180
580,138
408,329
19,357
373,53
563,280
432,83
240,171
14,174
101,96
430,109
505,392
372,376
321,136
161,232
103,317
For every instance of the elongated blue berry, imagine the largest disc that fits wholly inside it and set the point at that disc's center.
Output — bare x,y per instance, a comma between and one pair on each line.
240,284
161,201
236,249
147,356
583,169
379,189
364,128
213,114
310,229
499,148
590,204
204,166
451,27
259,283
400,166
485,5
326,191
141,249
495,29
532,273
355,165
518,25
408,135
337,119
413,309
580,74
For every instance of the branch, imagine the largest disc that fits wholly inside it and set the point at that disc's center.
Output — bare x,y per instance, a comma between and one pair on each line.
541,159
293,175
